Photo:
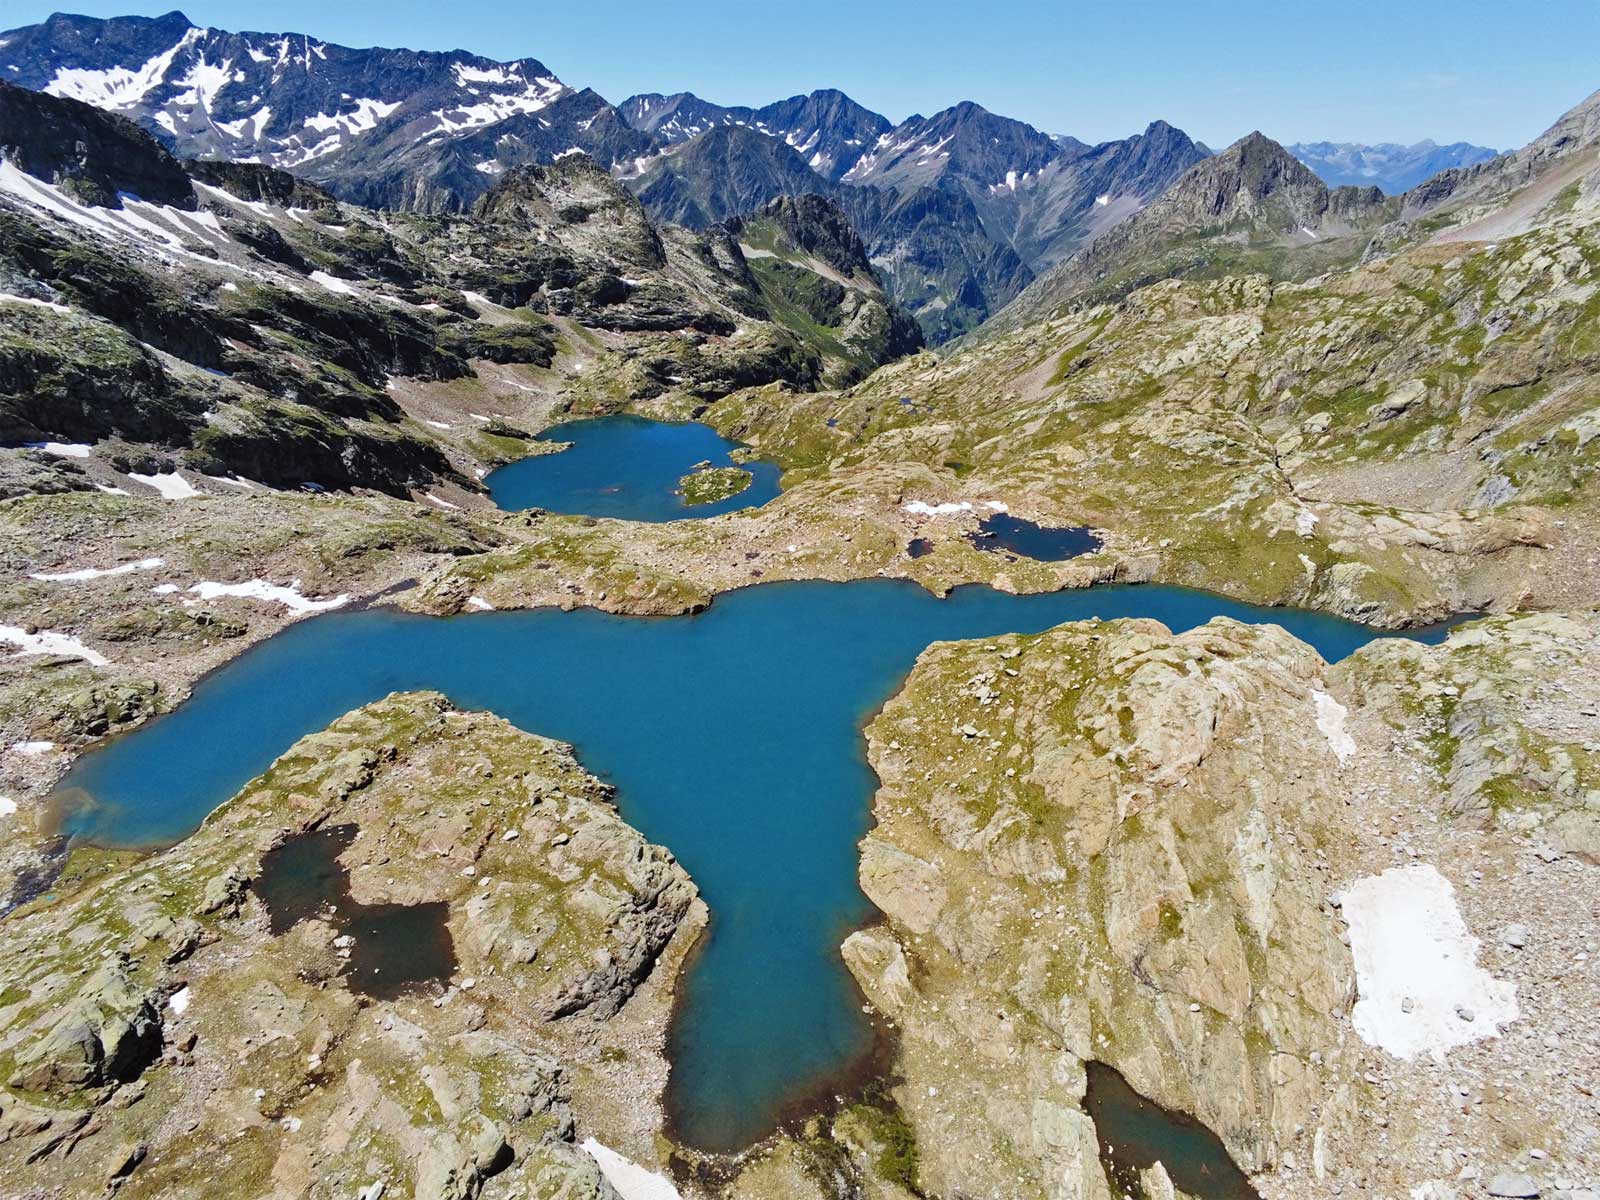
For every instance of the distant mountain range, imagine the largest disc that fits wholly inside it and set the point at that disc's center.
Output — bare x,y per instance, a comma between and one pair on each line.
959,211
1392,168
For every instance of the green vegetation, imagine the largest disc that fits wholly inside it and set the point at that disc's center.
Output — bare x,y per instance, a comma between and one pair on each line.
713,484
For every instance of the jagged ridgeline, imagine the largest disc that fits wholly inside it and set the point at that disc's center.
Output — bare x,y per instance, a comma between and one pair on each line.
958,211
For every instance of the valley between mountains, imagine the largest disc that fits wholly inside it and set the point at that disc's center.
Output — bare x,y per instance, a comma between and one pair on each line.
275,315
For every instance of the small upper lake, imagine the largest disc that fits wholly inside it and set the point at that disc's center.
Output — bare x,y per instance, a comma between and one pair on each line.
1001,532
733,736
626,467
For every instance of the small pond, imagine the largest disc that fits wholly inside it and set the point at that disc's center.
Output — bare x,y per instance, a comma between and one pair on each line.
626,467
1003,533
1136,1133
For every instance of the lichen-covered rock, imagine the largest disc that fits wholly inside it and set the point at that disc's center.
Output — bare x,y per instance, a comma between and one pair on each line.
1103,843
1494,711
237,1038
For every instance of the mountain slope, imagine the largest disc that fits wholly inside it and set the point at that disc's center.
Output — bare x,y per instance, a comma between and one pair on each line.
812,272
248,326
1254,207
399,128
1388,166
1470,203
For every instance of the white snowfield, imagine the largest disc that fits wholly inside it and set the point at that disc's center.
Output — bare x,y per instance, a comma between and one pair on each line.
144,564
49,642
922,508
631,1180
8,298
169,483
32,749
1330,719
61,449
1413,951
259,589
8,806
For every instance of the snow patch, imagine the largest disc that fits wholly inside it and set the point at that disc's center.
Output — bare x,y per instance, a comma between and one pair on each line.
333,284
429,496
1413,951
8,298
49,642
61,449
178,1002
32,749
169,483
479,604
8,806
1330,719
631,1180
116,87
144,564
923,509
259,589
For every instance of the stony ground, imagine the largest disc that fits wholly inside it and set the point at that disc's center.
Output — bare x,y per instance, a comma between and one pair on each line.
206,1035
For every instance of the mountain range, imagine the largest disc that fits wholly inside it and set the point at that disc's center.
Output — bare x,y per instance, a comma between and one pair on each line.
1388,166
959,211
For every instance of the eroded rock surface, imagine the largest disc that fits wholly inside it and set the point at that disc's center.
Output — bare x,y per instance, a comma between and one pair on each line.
149,1005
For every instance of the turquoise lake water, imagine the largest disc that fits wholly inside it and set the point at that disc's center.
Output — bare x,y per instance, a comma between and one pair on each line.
733,737
626,467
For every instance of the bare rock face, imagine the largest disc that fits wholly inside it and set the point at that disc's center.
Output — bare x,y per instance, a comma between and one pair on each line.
388,963
1506,714
1102,843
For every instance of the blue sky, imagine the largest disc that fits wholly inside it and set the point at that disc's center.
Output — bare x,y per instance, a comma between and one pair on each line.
1493,73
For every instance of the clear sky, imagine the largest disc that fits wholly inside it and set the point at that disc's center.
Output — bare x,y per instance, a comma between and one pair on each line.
1495,72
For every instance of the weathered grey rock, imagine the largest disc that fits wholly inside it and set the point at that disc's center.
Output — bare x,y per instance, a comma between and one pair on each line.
1514,1185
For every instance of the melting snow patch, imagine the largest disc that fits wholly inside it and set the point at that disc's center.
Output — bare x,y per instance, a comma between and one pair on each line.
441,503
1330,719
437,424
631,1180
10,299
32,749
1417,976
479,604
260,589
333,284
48,642
178,1002
109,490
61,449
8,806
169,483
144,564
923,509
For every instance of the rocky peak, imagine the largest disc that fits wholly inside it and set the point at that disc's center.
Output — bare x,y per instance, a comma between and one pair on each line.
1253,180
96,156
965,140
576,193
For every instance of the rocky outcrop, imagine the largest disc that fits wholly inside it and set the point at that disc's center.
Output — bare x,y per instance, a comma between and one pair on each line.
96,156
1494,712
261,184
1103,844
233,1027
